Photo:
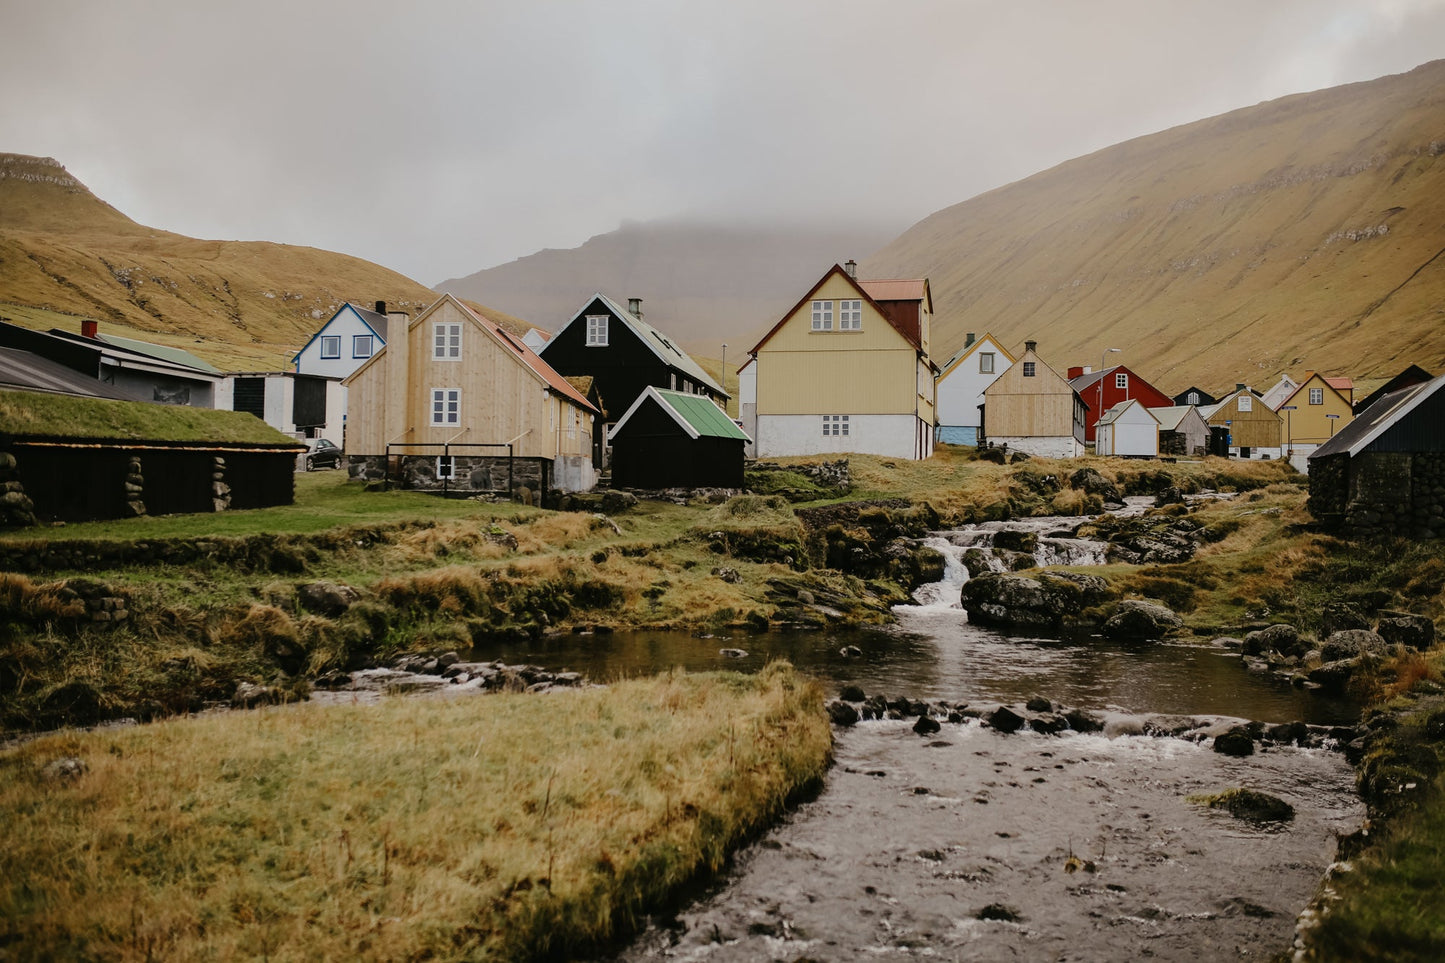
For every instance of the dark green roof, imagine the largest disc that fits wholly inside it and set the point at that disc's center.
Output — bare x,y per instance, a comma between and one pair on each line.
699,411
36,416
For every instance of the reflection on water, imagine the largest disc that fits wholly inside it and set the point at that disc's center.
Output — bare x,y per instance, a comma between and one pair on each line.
936,654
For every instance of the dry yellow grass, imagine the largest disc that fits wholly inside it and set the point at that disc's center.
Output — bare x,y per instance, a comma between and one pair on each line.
499,827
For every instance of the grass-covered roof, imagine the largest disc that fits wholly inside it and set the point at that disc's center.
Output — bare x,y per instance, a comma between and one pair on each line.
33,415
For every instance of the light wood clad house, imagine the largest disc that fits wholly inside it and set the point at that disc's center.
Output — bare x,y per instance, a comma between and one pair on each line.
455,383
848,370
1254,430
1032,408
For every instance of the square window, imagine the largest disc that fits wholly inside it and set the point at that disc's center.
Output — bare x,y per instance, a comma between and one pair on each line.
1121,381
850,315
446,406
446,341
822,315
597,330
1317,396
361,346
331,346
985,362
1029,367
1246,402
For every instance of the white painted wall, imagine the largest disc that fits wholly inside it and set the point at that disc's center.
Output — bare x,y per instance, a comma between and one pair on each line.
344,324
748,407
1063,446
1133,433
890,435
960,391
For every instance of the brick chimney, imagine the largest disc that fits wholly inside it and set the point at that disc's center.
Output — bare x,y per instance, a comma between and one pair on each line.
89,328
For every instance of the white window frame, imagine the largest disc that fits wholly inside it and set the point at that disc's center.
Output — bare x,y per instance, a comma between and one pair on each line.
1317,396
985,362
446,341
1246,403
330,347
1121,381
446,407
822,315
360,340
597,330
850,315
832,424
1192,398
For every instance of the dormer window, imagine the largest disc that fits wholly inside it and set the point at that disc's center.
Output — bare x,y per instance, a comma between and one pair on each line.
822,315
596,330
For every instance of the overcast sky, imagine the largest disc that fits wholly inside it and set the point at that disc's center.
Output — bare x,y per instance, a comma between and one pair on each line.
439,138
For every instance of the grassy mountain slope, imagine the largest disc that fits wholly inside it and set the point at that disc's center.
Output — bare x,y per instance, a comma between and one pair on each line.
701,284
65,254
1306,232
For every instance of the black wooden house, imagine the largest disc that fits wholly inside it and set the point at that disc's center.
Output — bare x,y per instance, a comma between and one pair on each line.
624,356
669,439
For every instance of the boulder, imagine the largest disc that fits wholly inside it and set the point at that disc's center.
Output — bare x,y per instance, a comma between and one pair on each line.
1135,619
851,693
327,598
1015,541
1349,643
1403,628
1046,602
1005,719
1234,742
1090,482
1039,704
1251,806
1080,720
842,714
1280,638
1338,616
926,725
1169,496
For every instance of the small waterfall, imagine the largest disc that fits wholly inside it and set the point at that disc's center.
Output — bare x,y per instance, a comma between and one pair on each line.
1070,551
943,596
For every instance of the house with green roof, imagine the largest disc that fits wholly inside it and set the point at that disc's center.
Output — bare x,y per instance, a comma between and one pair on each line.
672,439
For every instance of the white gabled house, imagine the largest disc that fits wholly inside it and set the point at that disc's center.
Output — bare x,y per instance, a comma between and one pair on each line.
346,341
960,387
1128,430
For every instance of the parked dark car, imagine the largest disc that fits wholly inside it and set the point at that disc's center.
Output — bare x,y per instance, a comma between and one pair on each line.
323,453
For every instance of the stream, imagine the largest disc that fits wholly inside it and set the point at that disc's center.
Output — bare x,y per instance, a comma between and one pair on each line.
972,844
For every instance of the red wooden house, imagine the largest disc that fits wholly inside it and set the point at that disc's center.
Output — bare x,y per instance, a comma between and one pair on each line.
1102,390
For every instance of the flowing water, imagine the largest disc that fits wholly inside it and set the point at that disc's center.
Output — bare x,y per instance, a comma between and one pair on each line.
975,845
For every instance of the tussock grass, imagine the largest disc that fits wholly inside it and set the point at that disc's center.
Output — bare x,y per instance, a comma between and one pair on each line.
504,827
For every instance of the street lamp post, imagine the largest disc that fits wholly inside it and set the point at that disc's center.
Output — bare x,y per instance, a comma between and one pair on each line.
1288,431
1333,419
1099,413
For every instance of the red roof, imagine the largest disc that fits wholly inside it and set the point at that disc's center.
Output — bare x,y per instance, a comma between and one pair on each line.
1340,384
530,358
896,289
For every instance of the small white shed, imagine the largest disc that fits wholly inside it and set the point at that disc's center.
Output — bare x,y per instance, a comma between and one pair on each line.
1128,430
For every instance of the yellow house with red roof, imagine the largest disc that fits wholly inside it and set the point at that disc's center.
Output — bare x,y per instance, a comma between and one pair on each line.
455,401
1315,411
847,369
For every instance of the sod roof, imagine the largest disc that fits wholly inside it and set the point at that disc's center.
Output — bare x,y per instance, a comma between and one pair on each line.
29,415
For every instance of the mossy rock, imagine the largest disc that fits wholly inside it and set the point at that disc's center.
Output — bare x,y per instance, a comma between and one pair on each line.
1249,805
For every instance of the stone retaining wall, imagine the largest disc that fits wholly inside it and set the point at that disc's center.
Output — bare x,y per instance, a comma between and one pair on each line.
1378,494
475,473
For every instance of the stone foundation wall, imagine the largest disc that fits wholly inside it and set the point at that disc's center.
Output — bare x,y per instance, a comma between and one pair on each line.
1380,494
16,508
474,473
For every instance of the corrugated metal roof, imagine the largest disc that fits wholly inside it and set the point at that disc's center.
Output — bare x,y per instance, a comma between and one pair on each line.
160,351
529,357
1169,418
896,289
30,371
696,414
1375,420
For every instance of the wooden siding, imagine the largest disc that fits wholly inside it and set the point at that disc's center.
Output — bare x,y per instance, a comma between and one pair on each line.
502,399
869,371
1308,424
1022,407
1256,428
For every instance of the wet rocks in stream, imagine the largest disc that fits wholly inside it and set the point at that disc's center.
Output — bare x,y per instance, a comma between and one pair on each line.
1049,601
